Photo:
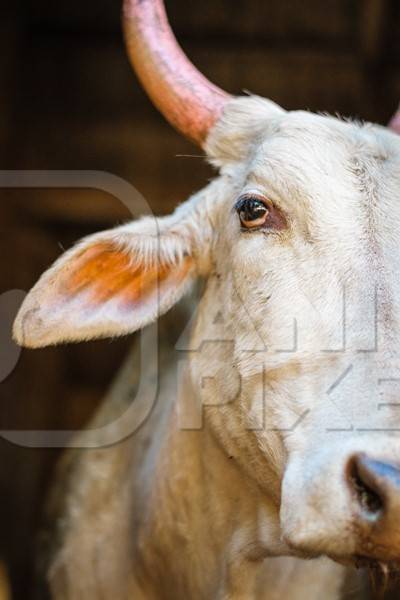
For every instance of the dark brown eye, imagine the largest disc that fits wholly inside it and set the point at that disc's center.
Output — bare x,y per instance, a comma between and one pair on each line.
252,212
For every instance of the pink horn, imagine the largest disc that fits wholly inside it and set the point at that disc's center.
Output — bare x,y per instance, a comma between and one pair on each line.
395,122
190,102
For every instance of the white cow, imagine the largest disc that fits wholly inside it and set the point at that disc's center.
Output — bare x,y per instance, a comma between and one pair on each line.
280,443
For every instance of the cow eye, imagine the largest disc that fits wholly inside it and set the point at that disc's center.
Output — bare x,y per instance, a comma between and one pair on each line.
252,211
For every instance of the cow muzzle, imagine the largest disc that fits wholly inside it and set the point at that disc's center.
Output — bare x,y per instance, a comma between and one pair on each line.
345,505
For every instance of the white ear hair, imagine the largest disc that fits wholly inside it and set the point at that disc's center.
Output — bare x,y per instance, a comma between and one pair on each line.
242,123
114,282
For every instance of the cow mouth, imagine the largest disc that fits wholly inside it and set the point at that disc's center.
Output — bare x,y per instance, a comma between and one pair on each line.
382,575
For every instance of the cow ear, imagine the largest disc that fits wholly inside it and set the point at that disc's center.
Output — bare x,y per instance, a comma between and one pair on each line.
110,284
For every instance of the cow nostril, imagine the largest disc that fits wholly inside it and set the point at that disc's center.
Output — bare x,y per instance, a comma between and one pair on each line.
364,487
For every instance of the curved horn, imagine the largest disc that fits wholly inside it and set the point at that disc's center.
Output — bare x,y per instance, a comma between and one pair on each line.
190,102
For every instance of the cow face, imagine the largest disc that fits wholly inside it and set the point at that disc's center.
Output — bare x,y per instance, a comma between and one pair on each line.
306,282
294,348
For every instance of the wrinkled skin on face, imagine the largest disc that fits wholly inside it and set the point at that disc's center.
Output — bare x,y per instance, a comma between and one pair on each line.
294,351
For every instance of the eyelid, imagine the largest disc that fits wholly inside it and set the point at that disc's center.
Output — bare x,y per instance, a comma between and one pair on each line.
243,197
252,194
268,194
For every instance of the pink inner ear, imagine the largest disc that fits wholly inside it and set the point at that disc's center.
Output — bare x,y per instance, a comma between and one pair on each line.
105,272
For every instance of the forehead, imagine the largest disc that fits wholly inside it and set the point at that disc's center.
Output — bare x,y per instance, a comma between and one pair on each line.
304,144
323,169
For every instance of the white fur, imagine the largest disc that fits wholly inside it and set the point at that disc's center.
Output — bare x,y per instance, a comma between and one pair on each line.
277,301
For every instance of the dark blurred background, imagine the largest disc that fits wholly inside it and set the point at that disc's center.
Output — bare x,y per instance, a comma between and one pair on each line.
68,100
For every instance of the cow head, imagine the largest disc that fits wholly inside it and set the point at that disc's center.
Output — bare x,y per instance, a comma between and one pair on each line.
298,329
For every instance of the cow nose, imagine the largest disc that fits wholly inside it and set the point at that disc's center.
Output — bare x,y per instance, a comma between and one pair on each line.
376,487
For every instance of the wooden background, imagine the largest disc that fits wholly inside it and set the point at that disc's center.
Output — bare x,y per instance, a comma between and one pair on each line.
70,101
